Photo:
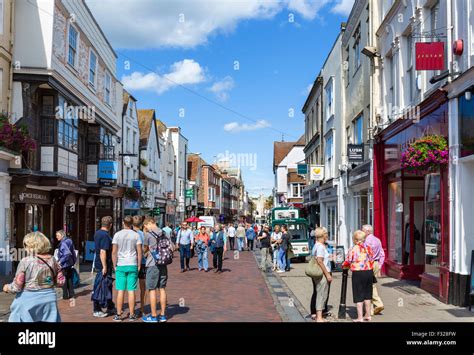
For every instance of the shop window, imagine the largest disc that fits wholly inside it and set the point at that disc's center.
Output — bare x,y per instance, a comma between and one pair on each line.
47,105
433,224
34,218
466,125
395,221
67,125
331,220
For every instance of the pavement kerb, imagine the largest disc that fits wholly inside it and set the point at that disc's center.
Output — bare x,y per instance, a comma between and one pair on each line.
296,303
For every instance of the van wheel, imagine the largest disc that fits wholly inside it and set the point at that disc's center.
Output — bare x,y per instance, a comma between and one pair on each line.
302,259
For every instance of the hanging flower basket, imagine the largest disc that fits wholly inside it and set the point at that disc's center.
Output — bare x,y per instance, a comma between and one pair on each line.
426,154
15,138
143,162
132,194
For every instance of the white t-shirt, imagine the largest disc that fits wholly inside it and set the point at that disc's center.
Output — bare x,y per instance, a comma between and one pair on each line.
231,232
127,241
320,251
276,236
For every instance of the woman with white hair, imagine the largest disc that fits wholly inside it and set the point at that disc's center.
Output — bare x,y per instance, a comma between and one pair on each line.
35,279
320,285
360,260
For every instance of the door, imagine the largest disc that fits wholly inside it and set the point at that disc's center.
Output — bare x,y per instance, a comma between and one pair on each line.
416,248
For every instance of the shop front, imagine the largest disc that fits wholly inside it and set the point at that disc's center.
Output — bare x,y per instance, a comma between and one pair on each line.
329,210
360,199
32,211
411,204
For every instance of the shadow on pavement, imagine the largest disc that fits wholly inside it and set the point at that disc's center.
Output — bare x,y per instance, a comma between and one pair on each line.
175,309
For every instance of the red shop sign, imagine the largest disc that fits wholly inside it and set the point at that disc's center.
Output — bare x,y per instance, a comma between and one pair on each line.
429,55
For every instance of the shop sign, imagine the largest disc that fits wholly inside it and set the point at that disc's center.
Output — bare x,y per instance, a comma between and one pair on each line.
355,153
339,257
156,211
131,204
431,249
107,174
317,172
137,184
429,55
32,196
190,193
170,209
302,169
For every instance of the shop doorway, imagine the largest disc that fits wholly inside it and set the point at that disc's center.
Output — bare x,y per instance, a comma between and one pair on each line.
413,252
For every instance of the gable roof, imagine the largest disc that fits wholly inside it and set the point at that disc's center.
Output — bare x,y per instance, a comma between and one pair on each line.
281,149
146,118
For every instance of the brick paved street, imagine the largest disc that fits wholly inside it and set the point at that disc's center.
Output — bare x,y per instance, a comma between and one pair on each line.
239,294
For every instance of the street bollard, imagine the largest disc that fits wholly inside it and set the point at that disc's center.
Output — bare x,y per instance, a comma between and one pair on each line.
342,303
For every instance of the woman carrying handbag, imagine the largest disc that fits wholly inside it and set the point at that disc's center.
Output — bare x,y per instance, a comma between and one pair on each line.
319,269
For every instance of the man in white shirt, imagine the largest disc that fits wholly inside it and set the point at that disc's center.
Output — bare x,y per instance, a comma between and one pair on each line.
127,260
231,235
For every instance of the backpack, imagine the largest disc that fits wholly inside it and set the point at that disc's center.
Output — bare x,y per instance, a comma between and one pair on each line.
163,254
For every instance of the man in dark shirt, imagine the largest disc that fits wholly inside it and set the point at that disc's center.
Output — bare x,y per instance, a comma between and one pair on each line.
264,239
103,262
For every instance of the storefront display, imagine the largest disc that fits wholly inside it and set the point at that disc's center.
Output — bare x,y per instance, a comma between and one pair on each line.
411,199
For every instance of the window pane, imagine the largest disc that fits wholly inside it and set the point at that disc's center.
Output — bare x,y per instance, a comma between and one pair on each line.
466,125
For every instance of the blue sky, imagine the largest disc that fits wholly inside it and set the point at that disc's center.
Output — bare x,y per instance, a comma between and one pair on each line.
184,55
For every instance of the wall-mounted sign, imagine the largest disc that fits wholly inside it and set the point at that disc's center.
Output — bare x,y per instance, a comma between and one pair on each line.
107,173
302,169
137,184
190,193
355,153
429,56
317,172
431,249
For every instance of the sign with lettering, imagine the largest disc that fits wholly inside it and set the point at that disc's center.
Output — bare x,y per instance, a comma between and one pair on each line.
317,172
355,153
107,174
302,169
429,56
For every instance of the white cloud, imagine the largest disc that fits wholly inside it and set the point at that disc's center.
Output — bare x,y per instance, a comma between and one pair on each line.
343,7
307,8
142,24
185,72
235,127
221,88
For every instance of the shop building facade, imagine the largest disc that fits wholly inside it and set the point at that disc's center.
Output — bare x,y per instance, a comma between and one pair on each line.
71,102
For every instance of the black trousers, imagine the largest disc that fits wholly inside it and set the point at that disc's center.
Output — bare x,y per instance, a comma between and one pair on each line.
231,242
312,305
250,244
68,287
217,258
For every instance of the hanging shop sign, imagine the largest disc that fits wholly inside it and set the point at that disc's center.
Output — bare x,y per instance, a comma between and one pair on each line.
302,169
317,172
355,153
107,174
190,193
429,56
137,184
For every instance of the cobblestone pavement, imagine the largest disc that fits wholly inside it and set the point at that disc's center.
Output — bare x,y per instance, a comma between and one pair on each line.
239,294
403,301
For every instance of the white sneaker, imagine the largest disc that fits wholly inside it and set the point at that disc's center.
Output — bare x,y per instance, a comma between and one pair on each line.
281,271
100,314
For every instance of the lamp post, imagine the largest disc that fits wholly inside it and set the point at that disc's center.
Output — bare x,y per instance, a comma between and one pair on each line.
342,303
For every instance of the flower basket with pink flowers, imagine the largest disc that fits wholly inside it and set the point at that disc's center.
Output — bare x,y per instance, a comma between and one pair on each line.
15,138
426,154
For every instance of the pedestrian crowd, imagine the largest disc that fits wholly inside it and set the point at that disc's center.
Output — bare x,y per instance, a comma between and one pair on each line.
138,256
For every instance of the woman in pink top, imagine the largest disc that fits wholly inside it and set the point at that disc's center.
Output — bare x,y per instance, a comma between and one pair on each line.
360,260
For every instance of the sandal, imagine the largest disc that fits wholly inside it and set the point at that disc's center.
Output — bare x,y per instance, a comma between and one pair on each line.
367,319
357,320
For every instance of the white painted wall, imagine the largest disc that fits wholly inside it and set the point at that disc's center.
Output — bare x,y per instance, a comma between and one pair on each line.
34,37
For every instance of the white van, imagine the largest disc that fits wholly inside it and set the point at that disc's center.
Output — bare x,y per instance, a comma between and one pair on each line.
209,222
